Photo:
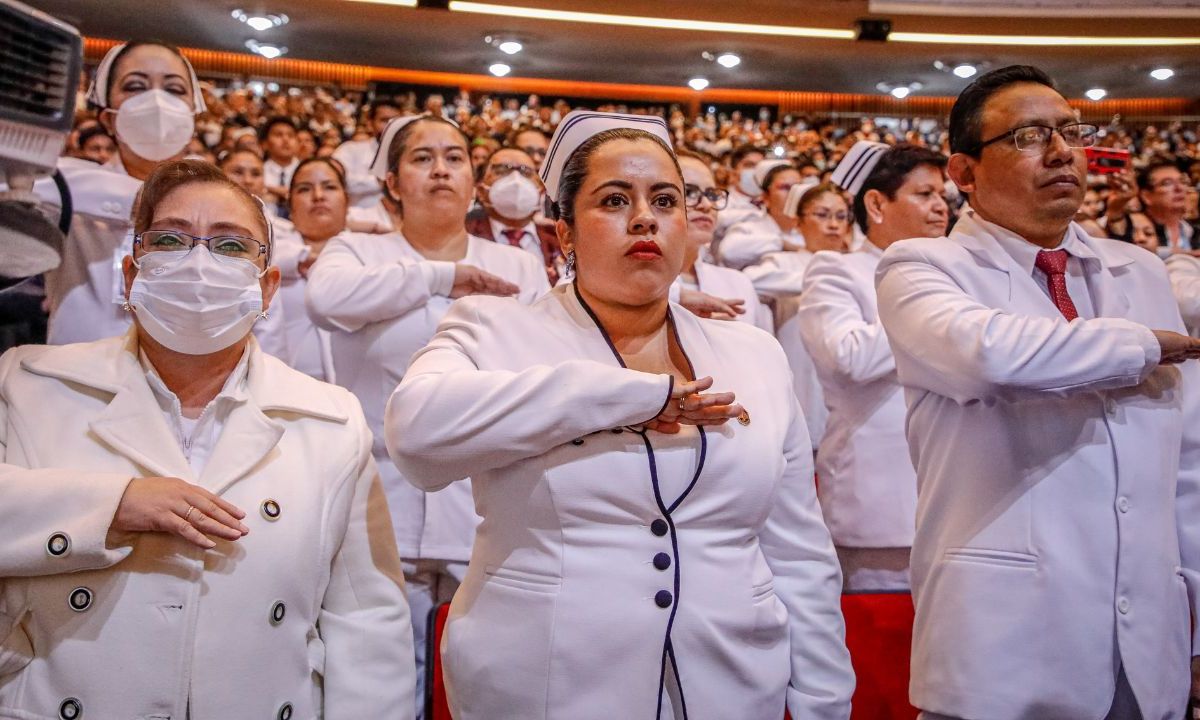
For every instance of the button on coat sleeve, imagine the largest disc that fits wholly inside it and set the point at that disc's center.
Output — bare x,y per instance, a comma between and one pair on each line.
837,336
364,620
448,419
808,580
36,504
346,293
947,343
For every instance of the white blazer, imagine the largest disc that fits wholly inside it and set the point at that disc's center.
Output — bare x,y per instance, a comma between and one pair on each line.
307,347
728,283
306,612
1052,461
1184,272
381,301
748,240
607,553
867,487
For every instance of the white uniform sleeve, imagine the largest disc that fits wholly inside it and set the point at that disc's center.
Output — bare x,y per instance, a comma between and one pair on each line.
947,343
448,419
808,580
747,241
38,504
1184,272
774,276
343,293
838,338
364,620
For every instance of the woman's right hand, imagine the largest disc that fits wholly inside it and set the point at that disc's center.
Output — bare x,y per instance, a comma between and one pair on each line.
171,505
470,280
689,405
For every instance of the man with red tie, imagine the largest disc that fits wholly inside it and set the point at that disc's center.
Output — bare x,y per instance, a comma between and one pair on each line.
510,196
1054,423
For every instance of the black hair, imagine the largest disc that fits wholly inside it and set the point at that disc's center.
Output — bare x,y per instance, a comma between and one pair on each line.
1144,176
382,102
966,117
770,176
890,172
112,69
338,171
741,151
575,170
265,130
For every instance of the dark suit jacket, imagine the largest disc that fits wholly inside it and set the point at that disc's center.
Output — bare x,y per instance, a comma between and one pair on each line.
479,226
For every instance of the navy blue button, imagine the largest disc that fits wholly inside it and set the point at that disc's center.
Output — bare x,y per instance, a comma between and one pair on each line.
577,441
663,599
662,561
659,527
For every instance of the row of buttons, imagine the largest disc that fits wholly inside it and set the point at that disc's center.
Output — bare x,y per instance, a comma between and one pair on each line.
662,561
72,709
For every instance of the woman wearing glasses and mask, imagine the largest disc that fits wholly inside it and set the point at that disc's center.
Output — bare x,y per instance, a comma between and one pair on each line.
179,502
704,200
868,488
381,298
651,545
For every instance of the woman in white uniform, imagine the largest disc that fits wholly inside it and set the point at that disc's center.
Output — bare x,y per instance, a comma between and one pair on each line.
868,488
148,96
704,200
639,556
381,298
772,230
191,528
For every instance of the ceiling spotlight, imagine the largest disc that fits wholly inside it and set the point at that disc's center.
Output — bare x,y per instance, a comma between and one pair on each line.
499,69
900,92
728,60
698,83
267,50
1096,94
964,70
260,22
510,47
1162,73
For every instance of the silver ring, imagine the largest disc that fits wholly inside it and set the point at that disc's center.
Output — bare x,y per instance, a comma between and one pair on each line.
187,515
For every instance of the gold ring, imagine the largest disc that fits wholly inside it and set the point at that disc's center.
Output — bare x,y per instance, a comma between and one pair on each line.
681,403
187,515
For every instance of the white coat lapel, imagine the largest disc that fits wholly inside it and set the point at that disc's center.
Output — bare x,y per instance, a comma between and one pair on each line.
1108,297
134,426
247,438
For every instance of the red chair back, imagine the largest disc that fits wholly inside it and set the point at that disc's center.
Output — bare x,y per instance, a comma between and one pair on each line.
436,706
879,636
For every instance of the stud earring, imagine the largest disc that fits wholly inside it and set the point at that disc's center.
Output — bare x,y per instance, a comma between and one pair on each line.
570,263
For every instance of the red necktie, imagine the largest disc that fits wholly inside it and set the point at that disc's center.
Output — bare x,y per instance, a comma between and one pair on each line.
514,236
1054,264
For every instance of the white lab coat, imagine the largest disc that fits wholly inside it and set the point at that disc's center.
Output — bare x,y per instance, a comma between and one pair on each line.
731,284
160,628
739,207
382,301
1184,272
748,240
868,488
356,156
606,552
307,346
1052,459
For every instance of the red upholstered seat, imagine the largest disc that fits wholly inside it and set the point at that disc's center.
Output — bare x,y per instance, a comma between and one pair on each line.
436,707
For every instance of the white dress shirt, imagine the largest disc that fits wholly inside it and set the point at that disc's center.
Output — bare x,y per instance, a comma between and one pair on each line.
281,175
356,156
530,242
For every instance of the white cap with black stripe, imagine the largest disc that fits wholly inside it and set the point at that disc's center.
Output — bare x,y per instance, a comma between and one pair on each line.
856,166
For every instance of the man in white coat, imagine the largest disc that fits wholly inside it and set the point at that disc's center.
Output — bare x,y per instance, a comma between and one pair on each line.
1052,422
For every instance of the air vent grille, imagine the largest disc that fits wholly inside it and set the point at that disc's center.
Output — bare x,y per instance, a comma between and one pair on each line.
39,69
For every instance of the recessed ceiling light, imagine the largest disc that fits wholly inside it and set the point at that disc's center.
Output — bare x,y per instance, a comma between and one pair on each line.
698,83
499,69
260,22
1096,94
267,50
510,47
1162,73
964,70
900,92
728,60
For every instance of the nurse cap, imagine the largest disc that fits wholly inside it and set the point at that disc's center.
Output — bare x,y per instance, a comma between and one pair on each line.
856,167
579,126
97,93
791,206
765,166
379,164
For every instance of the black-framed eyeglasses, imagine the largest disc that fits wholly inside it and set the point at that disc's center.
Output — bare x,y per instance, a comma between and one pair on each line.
692,194
1036,138
231,246
502,169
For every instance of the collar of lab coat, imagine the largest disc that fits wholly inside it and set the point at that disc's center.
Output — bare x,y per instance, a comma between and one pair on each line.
979,237
133,425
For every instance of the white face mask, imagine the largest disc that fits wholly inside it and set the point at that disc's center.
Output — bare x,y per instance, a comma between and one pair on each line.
515,197
195,303
155,124
747,184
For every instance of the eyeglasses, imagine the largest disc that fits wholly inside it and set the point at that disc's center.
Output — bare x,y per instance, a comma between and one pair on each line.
502,169
231,246
826,216
1036,138
692,194
1172,184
